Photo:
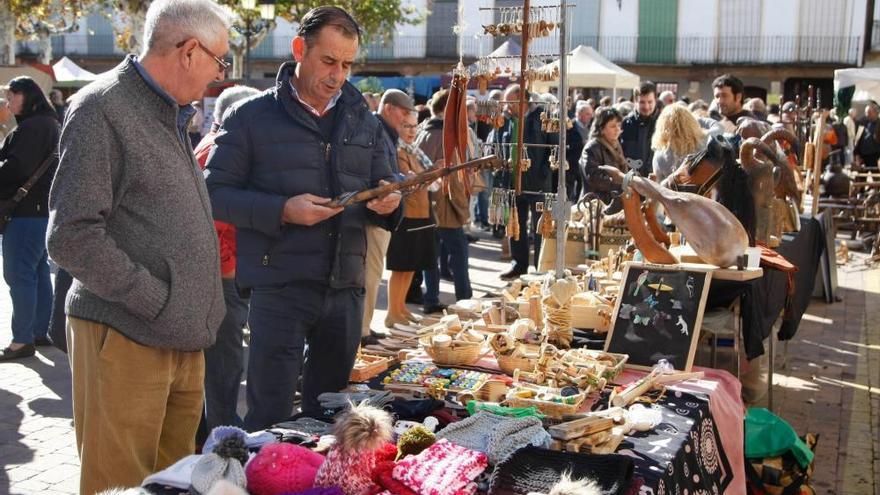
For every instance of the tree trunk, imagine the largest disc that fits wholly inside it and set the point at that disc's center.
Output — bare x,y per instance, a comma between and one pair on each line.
44,44
128,25
238,46
237,62
7,35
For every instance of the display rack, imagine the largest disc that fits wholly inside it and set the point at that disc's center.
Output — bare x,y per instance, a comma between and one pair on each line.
528,28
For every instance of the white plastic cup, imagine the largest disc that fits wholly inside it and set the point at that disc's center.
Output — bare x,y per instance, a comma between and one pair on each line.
753,257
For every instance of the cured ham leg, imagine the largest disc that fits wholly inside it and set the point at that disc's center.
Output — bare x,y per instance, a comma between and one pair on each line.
711,229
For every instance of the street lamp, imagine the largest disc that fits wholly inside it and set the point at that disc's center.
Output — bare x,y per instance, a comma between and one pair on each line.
254,26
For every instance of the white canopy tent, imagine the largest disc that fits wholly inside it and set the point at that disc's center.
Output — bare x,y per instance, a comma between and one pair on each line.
866,81
68,73
588,68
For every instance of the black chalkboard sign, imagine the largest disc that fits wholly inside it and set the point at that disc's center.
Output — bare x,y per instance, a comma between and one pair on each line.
658,314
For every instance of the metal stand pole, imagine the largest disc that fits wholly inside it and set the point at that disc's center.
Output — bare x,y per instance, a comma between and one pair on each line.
563,207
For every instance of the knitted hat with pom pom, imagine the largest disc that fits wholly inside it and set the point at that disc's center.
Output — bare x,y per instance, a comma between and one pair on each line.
415,440
229,453
282,468
361,437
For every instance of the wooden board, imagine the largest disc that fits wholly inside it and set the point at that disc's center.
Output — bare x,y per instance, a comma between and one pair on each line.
659,322
580,427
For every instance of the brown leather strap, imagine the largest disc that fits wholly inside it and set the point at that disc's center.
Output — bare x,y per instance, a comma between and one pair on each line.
28,184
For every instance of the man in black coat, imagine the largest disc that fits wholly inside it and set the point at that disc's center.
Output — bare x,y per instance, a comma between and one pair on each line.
638,128
535,181
279,158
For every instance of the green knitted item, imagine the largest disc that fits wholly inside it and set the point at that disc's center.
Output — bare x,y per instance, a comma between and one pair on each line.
511,412
414,441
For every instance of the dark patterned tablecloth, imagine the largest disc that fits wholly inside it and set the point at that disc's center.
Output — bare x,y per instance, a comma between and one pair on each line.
683,454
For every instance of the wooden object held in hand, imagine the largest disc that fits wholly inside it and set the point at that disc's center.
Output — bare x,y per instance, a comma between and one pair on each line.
412,182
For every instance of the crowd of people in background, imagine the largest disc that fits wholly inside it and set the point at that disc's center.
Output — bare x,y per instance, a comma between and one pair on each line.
157,261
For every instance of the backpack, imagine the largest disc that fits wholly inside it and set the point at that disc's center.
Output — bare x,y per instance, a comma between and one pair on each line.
778,462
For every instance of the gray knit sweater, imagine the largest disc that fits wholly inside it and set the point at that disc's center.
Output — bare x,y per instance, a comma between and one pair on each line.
130,218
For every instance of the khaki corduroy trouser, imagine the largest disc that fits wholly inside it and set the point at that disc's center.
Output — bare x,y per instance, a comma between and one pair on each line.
377,246
135,408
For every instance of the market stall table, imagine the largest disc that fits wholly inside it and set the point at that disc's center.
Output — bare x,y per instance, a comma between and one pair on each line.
764,299
698,444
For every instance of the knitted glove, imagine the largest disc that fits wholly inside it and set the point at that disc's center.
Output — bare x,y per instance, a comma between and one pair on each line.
495,435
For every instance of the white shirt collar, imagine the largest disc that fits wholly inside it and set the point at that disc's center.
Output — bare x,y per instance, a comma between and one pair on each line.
311,109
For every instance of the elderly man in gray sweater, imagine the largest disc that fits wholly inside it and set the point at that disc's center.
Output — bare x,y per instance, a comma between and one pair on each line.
131,221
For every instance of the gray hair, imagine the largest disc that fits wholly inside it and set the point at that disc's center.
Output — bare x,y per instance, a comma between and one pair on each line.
230,96
580,105
755,105
664,94
169,22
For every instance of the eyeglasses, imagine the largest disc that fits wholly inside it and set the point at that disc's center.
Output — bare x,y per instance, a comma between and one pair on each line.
408,126
223,66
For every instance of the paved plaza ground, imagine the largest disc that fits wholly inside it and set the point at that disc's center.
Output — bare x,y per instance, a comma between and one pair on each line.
830,385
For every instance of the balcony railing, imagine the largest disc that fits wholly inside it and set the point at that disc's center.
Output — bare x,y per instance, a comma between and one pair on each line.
727,50
763,50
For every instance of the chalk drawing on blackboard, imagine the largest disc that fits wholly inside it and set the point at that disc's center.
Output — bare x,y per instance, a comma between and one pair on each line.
658,314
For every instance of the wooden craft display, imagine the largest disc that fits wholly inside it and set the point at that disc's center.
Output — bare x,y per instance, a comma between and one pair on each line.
367,366
658,314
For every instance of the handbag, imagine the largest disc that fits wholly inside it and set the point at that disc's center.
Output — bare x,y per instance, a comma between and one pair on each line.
8,205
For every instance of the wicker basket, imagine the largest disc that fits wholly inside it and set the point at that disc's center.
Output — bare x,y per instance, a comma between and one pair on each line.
510,363
453,355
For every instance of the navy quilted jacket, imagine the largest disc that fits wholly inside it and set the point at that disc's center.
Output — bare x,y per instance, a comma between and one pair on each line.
270,149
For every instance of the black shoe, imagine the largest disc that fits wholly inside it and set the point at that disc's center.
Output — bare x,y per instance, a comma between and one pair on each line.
471,238
380,335
8,354
369,340
42,341
447,276
434,308
512,274
614,207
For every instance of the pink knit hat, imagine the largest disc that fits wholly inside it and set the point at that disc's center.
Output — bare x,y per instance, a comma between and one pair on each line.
442,469
282,468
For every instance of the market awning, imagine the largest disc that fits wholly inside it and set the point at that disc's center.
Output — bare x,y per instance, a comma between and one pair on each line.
587,68
66,71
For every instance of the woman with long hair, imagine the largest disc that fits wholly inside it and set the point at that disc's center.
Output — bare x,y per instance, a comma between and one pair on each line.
25,261
678,134
604,148
412,246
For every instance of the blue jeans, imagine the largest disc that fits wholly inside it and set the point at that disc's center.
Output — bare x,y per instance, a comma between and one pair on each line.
456,246
224,362
26,272
481,213
283,320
